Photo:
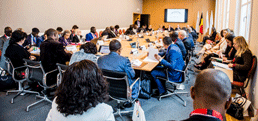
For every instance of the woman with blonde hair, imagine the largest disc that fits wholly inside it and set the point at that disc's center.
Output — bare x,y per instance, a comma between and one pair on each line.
242,62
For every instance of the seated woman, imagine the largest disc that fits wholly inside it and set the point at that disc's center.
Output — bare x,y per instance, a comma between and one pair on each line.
87,51
210,37
65,39
242,62
16,52
81,95
220,47
228,55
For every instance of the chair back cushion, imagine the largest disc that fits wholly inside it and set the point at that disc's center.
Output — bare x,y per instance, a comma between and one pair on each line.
118,83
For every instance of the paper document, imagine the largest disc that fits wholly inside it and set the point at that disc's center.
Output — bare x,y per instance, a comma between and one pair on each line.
147,59
225,66
152,52
71,48
136,62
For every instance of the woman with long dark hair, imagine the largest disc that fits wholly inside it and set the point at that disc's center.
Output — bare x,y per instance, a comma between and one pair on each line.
81,95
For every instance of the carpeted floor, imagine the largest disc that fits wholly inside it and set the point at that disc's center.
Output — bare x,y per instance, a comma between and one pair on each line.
170,108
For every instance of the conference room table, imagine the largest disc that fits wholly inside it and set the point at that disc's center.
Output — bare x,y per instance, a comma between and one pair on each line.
126,49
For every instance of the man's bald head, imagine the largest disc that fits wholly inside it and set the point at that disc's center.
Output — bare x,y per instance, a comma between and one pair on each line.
213,86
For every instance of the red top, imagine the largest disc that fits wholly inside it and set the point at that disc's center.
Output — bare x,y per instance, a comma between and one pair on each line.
207,112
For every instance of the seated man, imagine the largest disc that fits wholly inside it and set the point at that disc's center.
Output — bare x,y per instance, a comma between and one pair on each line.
113,61
77,36
59,31
107,32
33,39
173,60
90,36
179,43
112,31
211,96
52,52
186,41
72,31
142,29
130,31
5,37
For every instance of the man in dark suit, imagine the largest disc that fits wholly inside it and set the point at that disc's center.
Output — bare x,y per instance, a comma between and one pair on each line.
33,39
5,37
112,31
138,22
211,96
77,36
72,32
52,52
178,42
142,29
113,61
186,41
107,32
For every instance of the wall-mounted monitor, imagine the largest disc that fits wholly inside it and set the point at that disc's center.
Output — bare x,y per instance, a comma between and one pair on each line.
176,15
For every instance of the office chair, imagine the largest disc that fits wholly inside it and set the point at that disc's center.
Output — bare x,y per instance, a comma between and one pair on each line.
61,69
11,70
242,85
35,72
119,88
175,88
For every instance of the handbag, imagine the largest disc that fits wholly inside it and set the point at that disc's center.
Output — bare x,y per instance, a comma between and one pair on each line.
146,91
6,80
236,110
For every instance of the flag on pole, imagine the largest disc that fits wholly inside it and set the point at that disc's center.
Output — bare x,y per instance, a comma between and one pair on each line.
197,23
207,22
211,22
201,24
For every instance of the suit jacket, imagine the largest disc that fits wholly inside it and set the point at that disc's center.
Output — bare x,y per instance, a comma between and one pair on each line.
110,34
173,60
129,32
16,54
187,44
191,40
181,45
76,39
28,41
65,43
3,39
52,52
89,36
113,61
138,23
3,64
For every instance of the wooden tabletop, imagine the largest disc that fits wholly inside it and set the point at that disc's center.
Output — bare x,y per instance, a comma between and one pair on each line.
126,51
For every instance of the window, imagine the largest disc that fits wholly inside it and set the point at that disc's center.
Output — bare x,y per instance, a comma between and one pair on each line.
244,19
227,13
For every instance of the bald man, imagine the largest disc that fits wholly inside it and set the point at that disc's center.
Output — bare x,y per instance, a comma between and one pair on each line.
211,96
183,36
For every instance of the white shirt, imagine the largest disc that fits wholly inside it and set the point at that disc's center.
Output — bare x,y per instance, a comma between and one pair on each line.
32,38
102,112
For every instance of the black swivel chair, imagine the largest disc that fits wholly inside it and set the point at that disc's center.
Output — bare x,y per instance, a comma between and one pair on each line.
35,72
11,70
119,88
61,69
175,88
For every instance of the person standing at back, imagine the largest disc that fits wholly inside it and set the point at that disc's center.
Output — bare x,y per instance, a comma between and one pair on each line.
5,37
138,23
211,96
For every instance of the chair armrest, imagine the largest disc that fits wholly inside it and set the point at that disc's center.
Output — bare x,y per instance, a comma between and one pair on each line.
51,71
179,71
131,86
19,67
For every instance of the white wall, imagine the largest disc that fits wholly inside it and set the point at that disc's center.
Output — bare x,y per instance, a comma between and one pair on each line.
46,14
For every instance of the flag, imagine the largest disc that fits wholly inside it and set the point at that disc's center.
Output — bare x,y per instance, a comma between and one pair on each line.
207,22
201,24
197,23
211,22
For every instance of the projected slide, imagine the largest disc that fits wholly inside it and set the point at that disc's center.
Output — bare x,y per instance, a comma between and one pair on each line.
176,15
